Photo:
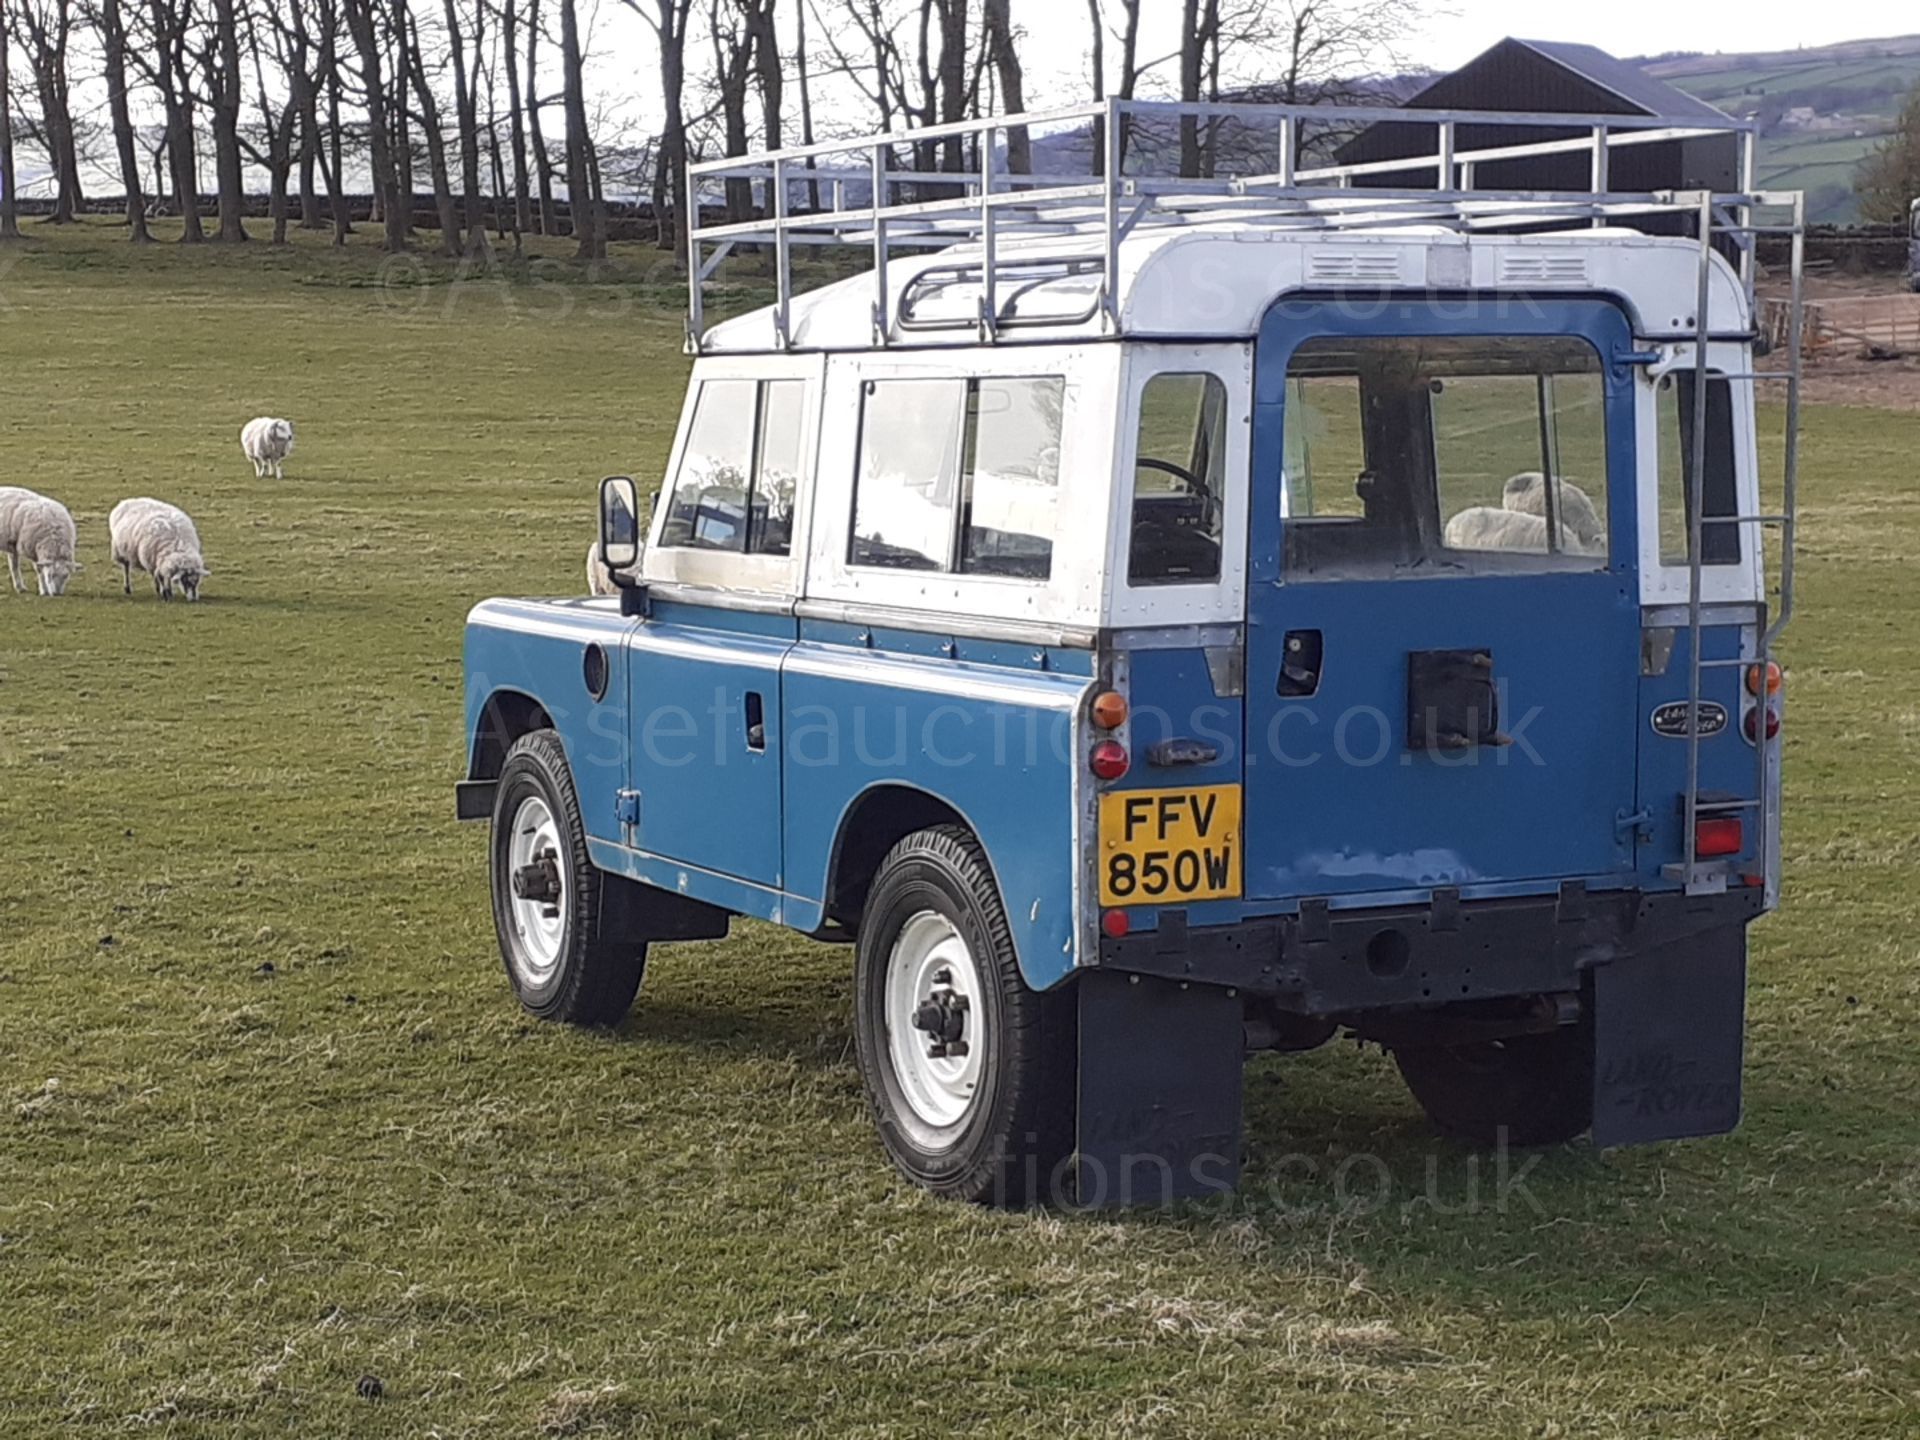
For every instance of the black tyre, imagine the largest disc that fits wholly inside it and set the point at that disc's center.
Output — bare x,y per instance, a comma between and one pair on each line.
968,1071
546,895
1539,1088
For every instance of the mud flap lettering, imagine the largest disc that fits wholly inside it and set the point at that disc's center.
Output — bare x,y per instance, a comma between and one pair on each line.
1668,1037
1159,1091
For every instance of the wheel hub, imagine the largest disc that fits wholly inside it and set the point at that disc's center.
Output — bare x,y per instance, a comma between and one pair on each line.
537,882
936,1046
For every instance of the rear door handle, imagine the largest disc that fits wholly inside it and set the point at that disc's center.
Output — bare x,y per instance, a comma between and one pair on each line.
1301,653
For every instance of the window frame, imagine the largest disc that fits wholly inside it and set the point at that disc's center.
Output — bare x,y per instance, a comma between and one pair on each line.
1663,583
738,570
1191,602
1071,594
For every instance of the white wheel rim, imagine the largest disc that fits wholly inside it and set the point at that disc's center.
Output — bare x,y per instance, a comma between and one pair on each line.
931,963
540,926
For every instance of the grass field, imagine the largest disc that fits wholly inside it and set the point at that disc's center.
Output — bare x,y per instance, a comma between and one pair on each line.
270,1123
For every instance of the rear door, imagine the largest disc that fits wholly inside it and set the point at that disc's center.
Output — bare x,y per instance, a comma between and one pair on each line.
1442,643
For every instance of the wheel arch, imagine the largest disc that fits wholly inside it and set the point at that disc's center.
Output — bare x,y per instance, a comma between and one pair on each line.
875,820
504,717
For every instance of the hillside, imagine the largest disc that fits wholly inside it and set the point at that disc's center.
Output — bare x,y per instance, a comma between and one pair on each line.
1821,109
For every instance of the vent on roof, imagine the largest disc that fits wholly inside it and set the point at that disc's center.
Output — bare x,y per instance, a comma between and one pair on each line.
1374,267
1534,267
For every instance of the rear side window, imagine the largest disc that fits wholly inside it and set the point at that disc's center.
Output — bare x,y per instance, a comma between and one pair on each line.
959,476
739,471
1719,544
1178,466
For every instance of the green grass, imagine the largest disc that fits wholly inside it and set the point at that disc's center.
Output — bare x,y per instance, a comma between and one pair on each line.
269,1121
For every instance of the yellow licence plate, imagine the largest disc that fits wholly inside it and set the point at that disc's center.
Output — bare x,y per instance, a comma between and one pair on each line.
1162,847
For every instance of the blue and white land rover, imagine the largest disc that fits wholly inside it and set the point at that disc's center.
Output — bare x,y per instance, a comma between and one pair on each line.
1154,622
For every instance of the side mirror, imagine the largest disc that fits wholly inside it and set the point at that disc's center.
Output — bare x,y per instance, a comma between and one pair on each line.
620,526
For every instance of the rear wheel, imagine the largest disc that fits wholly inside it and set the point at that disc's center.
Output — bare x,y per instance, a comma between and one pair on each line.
546,895
1538,1088
968,1071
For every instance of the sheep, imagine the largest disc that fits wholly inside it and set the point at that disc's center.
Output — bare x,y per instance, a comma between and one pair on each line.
599,577
267,442
158,538
39,531
1482,527
1526,494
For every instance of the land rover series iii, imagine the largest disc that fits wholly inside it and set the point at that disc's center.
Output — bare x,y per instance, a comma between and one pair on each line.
1154,618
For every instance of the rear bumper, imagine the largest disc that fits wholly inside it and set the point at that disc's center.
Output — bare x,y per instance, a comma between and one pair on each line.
1335,962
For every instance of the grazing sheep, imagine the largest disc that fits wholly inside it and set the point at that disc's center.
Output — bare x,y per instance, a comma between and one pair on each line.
599,577
39,531
1526,494
158,538
267,443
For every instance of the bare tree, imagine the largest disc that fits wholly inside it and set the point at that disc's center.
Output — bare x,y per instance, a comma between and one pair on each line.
542,160
466,106
9,204
361,17
429,117
333,165
46,33
1005,58
220,61
732,73
280,123
516,126
111,22
669,19
170,23
581,163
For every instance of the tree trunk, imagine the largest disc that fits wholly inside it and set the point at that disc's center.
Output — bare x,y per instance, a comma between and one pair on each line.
436,148
47,36
335,176
360,16
9,208
516,129
542,161
579,142
223,84
1006,68
1193,42
806,104
476,241
176,95
113,42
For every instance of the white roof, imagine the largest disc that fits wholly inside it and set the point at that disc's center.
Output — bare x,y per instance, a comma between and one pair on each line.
1215,279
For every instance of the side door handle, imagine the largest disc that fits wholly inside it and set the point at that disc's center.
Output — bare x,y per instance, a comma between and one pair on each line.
756,717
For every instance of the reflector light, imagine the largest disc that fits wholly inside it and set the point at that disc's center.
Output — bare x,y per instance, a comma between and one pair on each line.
1768,679
1110,710
1115,924
1109,760
1717,836
1752,722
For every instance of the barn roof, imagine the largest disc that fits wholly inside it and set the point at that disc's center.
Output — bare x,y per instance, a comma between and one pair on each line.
1632,90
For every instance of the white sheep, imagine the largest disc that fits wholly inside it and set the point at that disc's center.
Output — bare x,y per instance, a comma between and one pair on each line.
158,538
39,531
1481,527
1526,494
267,442
599,577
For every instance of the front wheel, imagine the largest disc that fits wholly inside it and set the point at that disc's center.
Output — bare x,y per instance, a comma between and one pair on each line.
546,895
968,1070
1538,1089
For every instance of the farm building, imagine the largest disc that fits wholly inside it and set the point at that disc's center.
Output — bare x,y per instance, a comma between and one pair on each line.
1549,77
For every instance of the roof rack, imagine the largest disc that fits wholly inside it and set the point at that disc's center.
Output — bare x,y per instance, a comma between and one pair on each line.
855,194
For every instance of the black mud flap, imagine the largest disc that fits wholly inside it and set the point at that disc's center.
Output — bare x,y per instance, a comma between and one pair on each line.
1669,1030
1159,1090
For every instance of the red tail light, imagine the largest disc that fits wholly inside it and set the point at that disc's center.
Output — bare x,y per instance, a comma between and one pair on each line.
1718,836
1109,760
1115,924
1752,722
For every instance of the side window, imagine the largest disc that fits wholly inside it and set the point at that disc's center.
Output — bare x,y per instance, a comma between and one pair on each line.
1325,445
1179,467
708,508
740,469
1719,544
959,475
